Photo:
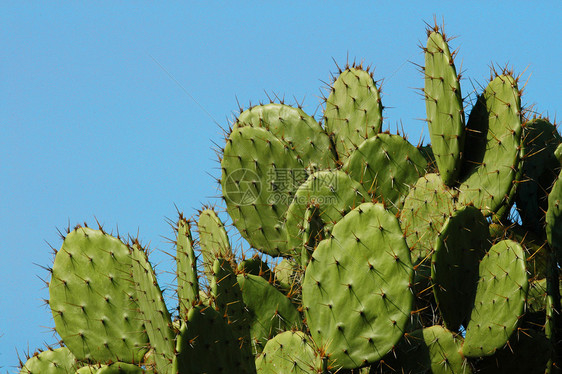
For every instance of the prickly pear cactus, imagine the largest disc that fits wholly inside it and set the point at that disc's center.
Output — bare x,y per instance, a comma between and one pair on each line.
367,254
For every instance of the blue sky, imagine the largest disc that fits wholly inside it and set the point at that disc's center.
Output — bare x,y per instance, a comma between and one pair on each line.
109,111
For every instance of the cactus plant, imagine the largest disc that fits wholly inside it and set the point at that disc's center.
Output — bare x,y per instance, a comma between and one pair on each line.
390,257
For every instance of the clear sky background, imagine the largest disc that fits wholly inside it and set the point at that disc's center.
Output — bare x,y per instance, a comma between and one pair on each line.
110,111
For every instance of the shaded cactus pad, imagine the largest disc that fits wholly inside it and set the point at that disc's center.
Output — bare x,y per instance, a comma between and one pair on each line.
500,299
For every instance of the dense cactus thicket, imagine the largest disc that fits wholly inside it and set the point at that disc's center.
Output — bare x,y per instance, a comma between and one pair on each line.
392,258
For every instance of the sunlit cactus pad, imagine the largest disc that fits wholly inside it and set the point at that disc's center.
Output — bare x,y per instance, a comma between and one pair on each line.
356,293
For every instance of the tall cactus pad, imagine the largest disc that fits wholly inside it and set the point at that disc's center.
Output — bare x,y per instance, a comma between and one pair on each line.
540,140
312,232
331,193
554,218
492,146
154,313
431,350
459,247
260,175
295,128
386,165
289,352
353,110
206,344
228,301
444,107
188,284
355,292
52,361
269,311
213,239
93,301
426,208
500,299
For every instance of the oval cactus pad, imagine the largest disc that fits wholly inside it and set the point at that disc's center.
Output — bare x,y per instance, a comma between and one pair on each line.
295,128
386,165
289,352
55,361
459,247
493,138
356,294
268,310
260,175
353,110
500,299
93,300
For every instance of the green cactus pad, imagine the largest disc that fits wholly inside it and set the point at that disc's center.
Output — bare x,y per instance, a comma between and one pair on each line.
554,218
228,301
332,194
426,208
269,311
188,284
115,368
356,290
295,128
259,178
540,140
353,110
206,344
386,165
431,350
313,229
289,352
288,274
52,361
500,299
444,107
537,296
256,266
459,247
528,352
93,301
155,315
558,153
226,292
492,149
213,238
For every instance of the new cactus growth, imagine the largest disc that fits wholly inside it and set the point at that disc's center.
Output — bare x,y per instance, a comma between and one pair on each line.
390,257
